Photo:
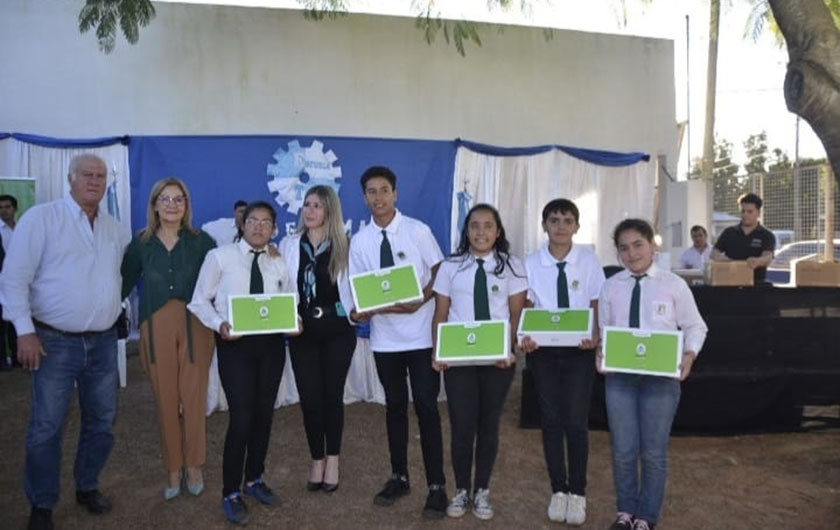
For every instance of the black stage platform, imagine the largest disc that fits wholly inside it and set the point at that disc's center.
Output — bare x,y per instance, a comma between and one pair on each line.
769,352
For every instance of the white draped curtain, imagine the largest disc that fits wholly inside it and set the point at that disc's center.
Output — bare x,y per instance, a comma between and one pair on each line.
49,167
519,186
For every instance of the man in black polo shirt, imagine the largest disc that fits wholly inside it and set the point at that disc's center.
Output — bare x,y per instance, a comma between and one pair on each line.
748,240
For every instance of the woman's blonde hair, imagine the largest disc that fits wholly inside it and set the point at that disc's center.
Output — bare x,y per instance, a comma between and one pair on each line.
152,218
334,225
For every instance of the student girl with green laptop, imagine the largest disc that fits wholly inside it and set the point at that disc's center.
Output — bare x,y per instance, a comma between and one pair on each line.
481,281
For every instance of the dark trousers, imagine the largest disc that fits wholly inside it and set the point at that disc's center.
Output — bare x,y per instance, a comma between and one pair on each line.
8,336
425,387
321,358
563,380
250,369
476,396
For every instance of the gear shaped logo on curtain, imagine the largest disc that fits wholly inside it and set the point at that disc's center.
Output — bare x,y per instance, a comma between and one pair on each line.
298,169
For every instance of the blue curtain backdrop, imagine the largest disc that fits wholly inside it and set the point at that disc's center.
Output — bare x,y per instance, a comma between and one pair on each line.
219,170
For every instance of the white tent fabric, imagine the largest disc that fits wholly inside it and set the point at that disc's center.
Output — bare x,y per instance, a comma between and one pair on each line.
519,187
49,165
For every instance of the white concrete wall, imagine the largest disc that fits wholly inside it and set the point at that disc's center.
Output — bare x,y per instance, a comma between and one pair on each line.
685,204
224,70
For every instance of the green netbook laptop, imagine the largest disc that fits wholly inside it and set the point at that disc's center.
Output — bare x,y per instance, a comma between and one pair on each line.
463,343
556,327
385,287
252,314
639,351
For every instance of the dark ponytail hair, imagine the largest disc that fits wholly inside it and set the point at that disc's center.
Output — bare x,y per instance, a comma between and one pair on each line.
501,248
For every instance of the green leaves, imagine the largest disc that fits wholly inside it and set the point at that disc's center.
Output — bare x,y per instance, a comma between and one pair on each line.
321,9
106,15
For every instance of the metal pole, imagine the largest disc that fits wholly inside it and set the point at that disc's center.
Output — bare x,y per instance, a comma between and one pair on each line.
688,95
797,190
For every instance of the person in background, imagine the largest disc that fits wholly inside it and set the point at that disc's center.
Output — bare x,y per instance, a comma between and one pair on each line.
748,241
317,257
225,229
696,256
250,366
61,290
641,408
175,348
8,337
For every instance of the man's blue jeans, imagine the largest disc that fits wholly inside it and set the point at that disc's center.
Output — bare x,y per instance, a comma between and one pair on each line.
640,410
90,361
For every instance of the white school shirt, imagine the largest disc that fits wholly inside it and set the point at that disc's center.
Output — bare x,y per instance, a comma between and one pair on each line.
456,280
223,230
584,277
411,242
290,250
6,233
61,271
666,303
227,271
691,258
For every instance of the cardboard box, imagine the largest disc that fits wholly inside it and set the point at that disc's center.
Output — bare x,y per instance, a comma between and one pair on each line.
473,343
556,327
728,274
816,273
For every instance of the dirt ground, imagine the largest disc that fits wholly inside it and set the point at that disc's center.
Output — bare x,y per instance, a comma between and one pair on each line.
789,481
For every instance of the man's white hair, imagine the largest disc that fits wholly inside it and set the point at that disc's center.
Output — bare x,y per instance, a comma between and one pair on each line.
77,160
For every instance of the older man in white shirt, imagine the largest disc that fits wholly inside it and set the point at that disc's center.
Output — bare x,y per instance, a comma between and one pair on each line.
61,289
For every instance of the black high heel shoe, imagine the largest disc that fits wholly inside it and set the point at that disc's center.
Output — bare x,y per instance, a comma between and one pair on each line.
329,488
314,486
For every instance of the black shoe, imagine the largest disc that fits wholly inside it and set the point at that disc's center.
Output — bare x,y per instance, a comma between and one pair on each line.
40,519
395,488
436,503
95,502
313,486
329,488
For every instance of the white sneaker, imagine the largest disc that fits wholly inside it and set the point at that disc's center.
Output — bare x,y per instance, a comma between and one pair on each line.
576,510
481,504
557,507
459,504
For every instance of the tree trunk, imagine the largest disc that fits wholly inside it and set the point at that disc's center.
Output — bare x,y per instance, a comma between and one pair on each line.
711,87
812,83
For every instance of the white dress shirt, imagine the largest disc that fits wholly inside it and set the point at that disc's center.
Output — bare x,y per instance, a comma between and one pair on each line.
666,303
61,271
456,280
691,258
411,242
222,230
227,271
584,277
6,233
290,250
